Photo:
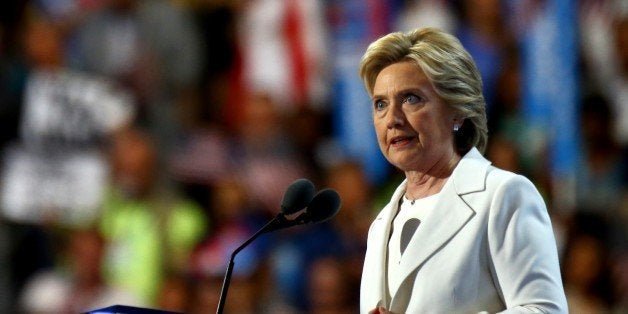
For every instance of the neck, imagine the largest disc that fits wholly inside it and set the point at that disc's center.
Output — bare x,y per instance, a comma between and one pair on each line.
422,184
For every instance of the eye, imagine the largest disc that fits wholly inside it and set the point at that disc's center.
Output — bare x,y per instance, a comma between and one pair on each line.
412,99
379,104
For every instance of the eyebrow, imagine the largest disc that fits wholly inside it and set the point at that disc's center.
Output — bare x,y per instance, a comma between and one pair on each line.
402,92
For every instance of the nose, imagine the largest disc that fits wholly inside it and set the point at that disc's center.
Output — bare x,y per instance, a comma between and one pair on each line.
394,117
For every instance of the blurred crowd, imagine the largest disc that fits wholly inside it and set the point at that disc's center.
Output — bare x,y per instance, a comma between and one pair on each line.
143,141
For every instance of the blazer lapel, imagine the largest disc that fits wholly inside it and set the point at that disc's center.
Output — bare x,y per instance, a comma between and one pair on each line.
438,227
450,215
379,252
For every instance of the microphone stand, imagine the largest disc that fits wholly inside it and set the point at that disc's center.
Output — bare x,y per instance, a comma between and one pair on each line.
316,212
277,222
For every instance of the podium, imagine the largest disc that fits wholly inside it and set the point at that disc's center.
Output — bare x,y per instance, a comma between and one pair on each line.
125,309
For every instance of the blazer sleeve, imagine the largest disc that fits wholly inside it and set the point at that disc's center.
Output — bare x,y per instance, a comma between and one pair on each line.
522,249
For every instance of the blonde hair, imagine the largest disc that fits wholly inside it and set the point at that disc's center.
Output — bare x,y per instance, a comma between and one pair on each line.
447,65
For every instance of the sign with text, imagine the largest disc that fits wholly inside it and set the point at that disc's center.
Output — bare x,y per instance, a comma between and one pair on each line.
58,172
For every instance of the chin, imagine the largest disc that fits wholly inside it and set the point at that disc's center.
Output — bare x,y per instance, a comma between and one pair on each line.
403,166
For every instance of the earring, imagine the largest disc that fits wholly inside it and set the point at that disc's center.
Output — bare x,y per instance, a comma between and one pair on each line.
456,127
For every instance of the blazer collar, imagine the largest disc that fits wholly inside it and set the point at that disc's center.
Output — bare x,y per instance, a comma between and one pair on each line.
470,173
469,176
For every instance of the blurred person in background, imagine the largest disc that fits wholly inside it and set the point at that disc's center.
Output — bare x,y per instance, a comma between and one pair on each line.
151,230
602,187
202,153
310,132
77,284
330,287
216,20
348,178
263,154
54,173
273,267
153,48
67,118
234,219
508,122
292,253
511,133
484,34
604,45
600,181
478,236
587,265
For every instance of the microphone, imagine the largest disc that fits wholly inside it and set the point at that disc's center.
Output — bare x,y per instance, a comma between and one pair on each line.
297,196
324,206
300,194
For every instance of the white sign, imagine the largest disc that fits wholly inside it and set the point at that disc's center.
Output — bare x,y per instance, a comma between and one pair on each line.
58,172
67,188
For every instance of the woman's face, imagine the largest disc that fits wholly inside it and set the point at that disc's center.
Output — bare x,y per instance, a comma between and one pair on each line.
413,124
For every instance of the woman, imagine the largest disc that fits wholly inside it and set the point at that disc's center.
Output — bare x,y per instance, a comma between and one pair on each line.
458,235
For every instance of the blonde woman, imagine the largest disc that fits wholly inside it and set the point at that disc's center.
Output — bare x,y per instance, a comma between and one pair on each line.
458,235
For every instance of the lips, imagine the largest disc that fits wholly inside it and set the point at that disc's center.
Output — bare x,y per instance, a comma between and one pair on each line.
400,140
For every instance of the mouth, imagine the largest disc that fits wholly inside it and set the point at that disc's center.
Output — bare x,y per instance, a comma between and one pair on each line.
399,141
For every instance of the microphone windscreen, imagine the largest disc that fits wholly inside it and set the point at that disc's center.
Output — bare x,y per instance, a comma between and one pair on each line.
298,195
324,206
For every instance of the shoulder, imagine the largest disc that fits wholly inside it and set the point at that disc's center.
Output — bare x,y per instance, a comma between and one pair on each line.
501,181
513,196
502,193
475,173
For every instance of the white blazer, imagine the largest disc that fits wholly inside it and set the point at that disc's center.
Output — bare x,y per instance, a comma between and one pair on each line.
487,246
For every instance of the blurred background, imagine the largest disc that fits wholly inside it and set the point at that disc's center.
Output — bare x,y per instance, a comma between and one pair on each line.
142,141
